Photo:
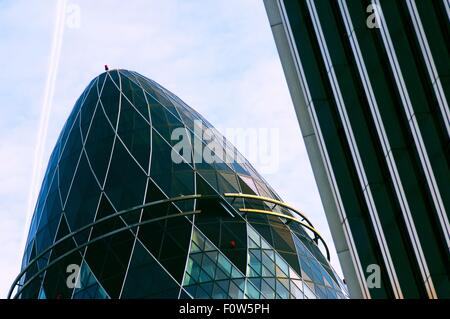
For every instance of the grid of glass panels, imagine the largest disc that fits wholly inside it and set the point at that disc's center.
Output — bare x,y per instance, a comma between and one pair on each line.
210,274
269,272
114,153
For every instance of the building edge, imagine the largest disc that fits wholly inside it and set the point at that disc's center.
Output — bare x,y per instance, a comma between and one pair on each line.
355,283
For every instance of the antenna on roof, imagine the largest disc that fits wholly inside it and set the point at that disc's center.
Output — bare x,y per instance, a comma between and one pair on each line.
106,67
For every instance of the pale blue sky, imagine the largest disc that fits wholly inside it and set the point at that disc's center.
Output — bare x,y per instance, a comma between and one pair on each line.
218,56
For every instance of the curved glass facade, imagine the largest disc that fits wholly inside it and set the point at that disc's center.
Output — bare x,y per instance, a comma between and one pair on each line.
121,206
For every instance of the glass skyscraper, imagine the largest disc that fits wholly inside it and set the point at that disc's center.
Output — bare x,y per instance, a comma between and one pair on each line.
370,82
121,207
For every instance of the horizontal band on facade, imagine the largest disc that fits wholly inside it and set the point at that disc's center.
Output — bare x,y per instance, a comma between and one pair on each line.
155,203
114,232
102,220
269,200
307,225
